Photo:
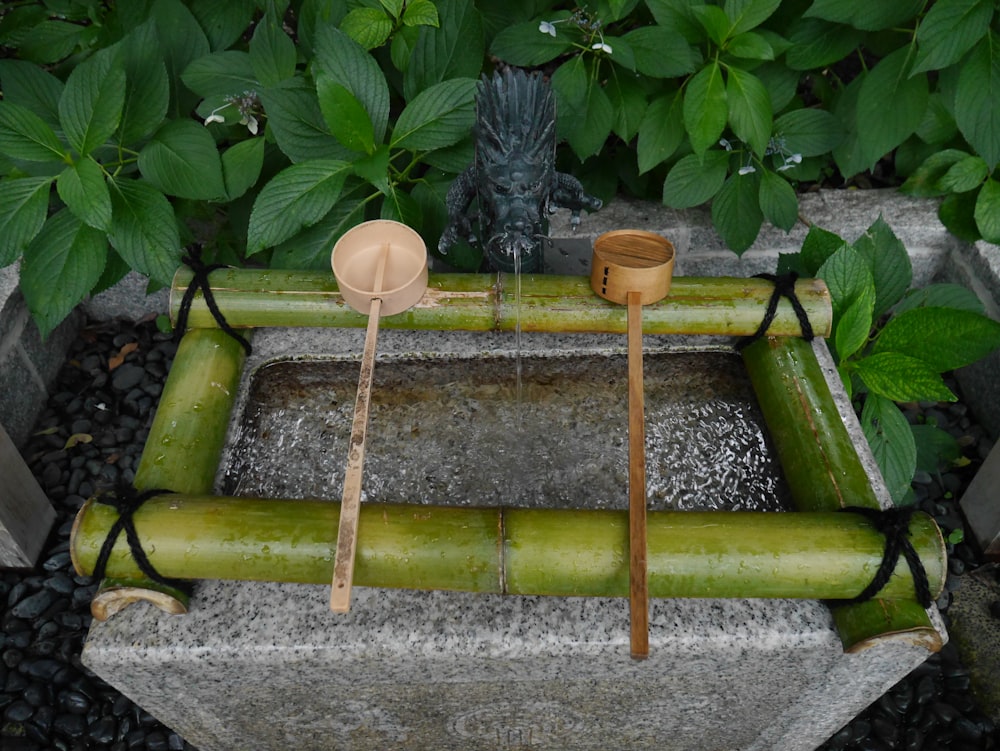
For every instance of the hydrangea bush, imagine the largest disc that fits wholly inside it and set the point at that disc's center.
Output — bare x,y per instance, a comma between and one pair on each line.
260,130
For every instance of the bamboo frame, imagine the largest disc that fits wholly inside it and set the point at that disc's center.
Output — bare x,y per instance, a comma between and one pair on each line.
183,449
824,473
482,302
511,551
818,456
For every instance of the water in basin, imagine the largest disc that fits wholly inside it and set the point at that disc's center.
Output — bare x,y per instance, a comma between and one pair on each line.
453,431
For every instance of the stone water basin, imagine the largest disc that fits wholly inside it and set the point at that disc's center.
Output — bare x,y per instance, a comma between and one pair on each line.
267,666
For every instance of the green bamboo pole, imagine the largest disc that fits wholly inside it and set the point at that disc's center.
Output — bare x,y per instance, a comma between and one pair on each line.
182,450
513,551
484,302
824,473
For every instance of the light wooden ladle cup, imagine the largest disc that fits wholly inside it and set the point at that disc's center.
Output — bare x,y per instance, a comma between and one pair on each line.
634,268
381,270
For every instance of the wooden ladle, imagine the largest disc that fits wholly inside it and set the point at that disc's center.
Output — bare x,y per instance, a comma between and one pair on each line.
634,268
381,270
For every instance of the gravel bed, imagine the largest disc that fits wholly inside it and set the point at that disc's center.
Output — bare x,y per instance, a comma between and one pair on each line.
91,436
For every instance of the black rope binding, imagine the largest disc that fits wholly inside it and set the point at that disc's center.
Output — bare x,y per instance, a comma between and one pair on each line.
784,286
126,501
894,523
200,281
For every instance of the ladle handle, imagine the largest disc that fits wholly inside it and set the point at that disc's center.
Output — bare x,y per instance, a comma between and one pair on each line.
350,503
638,585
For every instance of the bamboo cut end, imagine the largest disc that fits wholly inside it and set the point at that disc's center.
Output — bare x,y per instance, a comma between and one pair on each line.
632,261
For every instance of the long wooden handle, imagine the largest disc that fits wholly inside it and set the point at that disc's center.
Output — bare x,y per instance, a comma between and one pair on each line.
638,585
350,503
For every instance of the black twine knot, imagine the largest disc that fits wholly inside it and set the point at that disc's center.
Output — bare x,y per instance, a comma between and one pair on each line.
784,286
894,523
126,501
200,281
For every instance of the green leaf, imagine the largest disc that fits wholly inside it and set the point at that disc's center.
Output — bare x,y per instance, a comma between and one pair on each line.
31,87
778,201
677,15
346,116
147,90
182,40
421,13
817,43
891,440
295,119
272,53
296,197
369,27
182,160
888,262
628,102
902,378
453,50
943,338
817,247
59,268
241,166
949,30
848,277
374,169
695,180
750,113
881,128
938,126
400,206
661,131
24,203
594,122
714,21
854,326
749,14
523,44
144,229
941,295
661,52
393,7
957,213
968,174
736,211
978,90
227,73
864,14
988,211
925,182
705,108
310,248
83,189
91,104
437,117
750,46
936,449
224,22
809,132
50,41
339,59
24,135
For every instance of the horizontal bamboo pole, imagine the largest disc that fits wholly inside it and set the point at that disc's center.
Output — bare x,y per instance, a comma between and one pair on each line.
485,302
824,473
512,551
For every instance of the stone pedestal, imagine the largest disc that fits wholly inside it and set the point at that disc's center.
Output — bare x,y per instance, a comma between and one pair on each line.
267,666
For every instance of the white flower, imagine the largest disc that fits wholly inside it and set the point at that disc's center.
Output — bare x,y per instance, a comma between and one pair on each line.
214,118
794,159
606,48
747,170
725,144
547,27
251,122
